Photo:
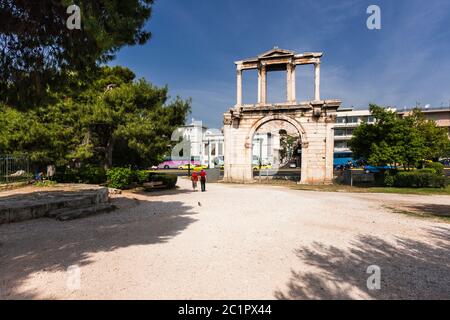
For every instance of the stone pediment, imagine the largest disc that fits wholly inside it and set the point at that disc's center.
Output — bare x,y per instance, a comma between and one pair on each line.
276,52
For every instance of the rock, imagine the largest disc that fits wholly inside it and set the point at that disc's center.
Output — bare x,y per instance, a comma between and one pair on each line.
114,191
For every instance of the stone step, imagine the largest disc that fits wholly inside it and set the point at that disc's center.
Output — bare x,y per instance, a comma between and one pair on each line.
16,207
70,214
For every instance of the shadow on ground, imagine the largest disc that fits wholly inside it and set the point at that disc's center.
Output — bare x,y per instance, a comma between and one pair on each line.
49,245
440,210
409,269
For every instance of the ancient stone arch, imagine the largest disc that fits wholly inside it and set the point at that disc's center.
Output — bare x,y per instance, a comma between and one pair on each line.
313,119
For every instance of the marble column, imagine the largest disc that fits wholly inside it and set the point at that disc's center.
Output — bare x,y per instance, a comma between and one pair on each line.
290,82
293,87
317,81
263,85
239,87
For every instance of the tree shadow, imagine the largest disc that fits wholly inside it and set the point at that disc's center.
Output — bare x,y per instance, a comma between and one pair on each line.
160,192
410,269
49,245
440,210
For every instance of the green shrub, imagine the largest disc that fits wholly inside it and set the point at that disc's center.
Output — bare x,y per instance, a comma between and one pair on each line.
92,174
120,178
86,174
389,179
426,170
439,181
142,176
66,175
436,166
45,183
420,179
169,180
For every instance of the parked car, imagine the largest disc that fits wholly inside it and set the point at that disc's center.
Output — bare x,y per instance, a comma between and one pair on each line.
195,167
219,161
373,169
445,162
263,167
174,164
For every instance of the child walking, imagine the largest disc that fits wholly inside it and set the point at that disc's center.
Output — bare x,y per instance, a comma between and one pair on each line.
203,180
194,179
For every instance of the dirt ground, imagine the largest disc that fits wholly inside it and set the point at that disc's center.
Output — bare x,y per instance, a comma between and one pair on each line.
233,242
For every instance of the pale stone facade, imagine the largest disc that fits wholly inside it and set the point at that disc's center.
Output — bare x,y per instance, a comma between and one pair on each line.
313,120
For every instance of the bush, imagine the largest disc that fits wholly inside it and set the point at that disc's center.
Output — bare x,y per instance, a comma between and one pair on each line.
439,181
66,175
45,183
120,178
169,180
389,179
420,179
142,176
436,166
86,174
92,174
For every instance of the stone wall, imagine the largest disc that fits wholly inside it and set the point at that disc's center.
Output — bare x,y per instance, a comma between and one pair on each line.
33,205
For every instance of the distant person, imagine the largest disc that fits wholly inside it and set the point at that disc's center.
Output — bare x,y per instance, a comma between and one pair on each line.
203,180
194,179
350,164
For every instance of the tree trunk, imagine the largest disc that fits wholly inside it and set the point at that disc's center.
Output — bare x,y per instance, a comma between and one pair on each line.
108,153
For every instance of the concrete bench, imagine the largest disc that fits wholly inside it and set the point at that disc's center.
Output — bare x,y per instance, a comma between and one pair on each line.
154,185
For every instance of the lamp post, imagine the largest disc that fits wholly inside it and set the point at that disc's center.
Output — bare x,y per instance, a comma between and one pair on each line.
189,158
209,153
260,156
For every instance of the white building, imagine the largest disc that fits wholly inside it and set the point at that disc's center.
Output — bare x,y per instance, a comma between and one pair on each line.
199,143
212,147
346,121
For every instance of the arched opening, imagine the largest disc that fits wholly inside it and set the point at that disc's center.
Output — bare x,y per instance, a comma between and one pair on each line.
276,151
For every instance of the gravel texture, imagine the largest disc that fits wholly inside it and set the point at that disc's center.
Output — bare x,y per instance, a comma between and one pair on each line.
233,242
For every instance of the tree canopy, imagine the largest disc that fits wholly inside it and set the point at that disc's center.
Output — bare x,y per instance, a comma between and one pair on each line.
116,112
39,54
394,139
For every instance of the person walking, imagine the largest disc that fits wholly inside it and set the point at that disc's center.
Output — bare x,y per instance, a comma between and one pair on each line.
203,180
194,179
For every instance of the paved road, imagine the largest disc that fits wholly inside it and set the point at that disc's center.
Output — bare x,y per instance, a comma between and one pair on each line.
233,242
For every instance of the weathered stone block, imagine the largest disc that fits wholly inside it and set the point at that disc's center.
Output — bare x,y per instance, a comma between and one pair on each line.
20,214
4,216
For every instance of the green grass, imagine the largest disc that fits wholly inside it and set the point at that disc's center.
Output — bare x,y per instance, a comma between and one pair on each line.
361,189
45,183
420,214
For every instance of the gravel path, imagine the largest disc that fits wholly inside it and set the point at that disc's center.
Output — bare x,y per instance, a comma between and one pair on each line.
233,242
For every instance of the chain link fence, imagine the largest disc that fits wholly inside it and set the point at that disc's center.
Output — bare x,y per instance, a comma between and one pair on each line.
14,169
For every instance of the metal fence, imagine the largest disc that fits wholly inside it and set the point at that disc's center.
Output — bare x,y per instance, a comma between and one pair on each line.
14,169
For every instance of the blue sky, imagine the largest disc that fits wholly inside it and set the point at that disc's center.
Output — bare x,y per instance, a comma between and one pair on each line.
195,43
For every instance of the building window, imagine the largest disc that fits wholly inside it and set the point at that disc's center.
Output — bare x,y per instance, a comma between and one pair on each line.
339,132
213,149
352,119
220,153
340,120
371,119
340,144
